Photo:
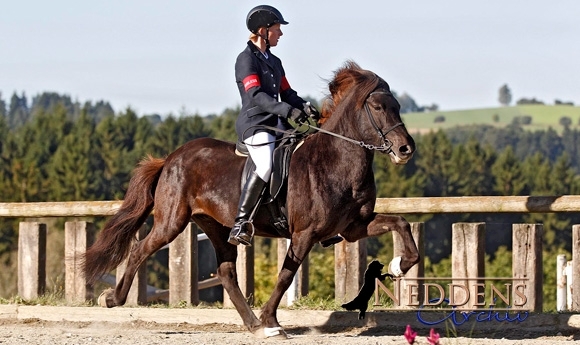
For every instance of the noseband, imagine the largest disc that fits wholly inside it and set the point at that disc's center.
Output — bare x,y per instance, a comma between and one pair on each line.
387,145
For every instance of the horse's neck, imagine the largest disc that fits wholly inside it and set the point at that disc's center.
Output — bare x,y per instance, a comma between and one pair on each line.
343,155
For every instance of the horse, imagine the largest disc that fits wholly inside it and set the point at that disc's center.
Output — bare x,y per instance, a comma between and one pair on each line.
330,191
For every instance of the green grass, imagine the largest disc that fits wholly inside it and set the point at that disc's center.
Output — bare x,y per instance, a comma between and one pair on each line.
543,116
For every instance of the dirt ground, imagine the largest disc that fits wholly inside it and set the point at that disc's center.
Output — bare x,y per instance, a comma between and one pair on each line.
38,332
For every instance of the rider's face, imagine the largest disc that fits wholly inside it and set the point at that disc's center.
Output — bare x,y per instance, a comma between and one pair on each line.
274,34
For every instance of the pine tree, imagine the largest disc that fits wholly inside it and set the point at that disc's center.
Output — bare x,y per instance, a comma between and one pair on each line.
471,174
432,159
18,112
73,175
2,108
507,171
224,127
505,95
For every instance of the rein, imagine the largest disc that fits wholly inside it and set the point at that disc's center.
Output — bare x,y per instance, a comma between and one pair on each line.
387,145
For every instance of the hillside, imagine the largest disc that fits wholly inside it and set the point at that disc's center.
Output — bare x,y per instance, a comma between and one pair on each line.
543,116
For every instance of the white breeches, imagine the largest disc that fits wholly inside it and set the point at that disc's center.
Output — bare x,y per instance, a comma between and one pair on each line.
262,154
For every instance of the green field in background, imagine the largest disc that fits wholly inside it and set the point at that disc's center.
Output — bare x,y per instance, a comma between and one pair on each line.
543,116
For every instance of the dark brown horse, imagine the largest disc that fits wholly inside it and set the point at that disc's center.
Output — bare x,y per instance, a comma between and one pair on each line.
331,190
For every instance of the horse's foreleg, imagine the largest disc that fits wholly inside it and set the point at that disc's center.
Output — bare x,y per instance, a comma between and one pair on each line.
299,249
381,224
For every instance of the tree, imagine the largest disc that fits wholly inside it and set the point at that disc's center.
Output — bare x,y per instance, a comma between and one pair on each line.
2,107
432,160
4,162
408,104
98,111
74,175
505,95
47,102
224,127
471,175
122,143
18,112
509,177
525,101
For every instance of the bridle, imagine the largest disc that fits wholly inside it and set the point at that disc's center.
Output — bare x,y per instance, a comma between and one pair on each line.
386,147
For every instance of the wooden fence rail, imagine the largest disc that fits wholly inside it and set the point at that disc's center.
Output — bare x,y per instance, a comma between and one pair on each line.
350,257
417,205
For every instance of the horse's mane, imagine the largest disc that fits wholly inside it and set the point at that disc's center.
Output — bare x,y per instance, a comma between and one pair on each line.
345,79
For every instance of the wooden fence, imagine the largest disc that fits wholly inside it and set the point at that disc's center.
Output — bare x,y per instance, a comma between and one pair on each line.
350,258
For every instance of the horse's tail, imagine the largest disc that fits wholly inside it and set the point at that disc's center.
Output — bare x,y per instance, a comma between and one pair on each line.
117,236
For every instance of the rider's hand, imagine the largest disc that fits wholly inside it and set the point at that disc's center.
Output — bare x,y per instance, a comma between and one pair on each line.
311,111
298,116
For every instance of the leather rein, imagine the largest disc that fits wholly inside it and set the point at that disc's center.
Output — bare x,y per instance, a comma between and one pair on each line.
387,145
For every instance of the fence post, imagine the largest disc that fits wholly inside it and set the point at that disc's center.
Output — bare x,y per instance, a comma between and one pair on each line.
350,261
467,261
31,259
417,271
575,305
183,267
569,284
245,272
138,292
78,236
299,286
561,263
527,263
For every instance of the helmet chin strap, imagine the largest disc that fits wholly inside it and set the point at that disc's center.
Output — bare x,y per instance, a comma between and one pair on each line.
266,38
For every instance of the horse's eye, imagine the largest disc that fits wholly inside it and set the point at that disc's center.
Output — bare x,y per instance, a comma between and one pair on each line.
377,107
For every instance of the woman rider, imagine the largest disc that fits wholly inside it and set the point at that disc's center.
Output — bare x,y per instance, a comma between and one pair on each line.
267,99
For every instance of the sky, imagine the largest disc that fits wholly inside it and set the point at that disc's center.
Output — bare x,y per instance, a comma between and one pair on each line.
177,56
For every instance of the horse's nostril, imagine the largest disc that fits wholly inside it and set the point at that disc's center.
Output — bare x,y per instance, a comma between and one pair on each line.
406,149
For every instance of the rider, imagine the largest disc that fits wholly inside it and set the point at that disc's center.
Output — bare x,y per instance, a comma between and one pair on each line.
267,99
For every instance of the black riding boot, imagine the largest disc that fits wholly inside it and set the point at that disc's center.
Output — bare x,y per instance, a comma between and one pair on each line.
243,231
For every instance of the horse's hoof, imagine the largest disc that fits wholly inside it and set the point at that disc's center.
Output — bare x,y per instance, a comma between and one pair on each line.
105,297
395,267
271,333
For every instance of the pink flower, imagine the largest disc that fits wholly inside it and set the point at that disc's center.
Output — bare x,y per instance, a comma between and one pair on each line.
433,338
410,335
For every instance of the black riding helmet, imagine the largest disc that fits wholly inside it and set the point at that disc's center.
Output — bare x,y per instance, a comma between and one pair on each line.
263,16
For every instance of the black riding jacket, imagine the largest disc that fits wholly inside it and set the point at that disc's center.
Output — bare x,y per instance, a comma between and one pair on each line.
262,83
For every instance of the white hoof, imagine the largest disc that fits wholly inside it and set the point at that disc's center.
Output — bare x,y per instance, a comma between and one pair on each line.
395,267
274,332
102,300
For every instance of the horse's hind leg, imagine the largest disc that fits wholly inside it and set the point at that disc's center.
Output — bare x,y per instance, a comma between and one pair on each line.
381,224
165,230
226,255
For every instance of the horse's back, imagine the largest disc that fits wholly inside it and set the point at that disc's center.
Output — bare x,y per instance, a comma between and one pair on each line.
204,174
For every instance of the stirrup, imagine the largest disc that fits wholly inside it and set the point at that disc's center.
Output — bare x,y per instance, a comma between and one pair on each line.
238,235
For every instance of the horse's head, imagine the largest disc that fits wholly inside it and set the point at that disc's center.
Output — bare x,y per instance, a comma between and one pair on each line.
366,99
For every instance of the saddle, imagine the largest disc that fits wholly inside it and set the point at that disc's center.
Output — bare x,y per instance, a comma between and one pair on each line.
274,196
